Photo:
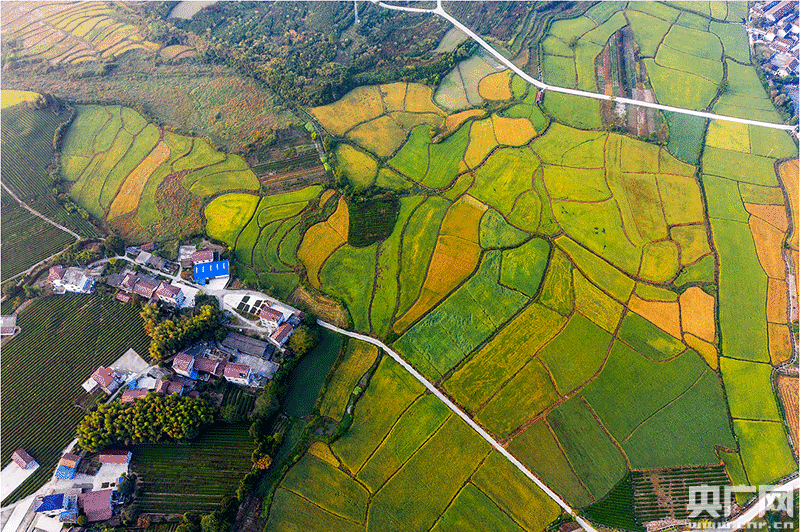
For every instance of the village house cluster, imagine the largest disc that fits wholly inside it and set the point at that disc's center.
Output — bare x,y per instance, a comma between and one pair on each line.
143,255
148,288
81,487
781,34
239,360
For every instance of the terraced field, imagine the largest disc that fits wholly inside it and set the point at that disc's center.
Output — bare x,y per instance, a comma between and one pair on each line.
145,182
594,352
579,292
70,32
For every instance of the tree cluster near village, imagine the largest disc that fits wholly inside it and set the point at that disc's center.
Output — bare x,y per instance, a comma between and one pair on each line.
170,335
150,419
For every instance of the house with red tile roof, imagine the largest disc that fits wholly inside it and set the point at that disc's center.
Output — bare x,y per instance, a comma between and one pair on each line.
281,334
238,374
128,282
183,364
67,466
207,365
115,456
169,294
96,505
107,379
23,459
271,317
203,256
168,387
129,396
56,273
145,288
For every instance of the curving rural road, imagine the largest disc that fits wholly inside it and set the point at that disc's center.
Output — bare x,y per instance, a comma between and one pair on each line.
46,219
754,511
477,428
439,10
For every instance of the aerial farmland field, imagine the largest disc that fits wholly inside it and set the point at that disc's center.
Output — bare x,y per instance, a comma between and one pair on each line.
51,338
543,289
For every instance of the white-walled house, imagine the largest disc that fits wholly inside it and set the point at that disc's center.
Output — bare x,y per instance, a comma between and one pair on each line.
238,374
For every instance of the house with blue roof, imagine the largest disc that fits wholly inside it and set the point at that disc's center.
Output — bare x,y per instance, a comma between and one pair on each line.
211,270
60,505
67,466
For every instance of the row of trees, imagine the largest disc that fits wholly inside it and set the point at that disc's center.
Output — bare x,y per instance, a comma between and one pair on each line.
171,335
150,419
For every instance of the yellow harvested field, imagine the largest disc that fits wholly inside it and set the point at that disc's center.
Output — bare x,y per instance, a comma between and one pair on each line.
777,300
175,50
481,142
496,86
455,257
323,451
356,165
512,131
595,304
127,200
9,98
780,343
394,96
339,221
728,135
664,315
463,218
681,199
669,164
419,99
775,215
788,173
788,390
359,105
328,194
453,260
321,240
697,313
381,136
769,242
453,122
705,349
692,240
227,214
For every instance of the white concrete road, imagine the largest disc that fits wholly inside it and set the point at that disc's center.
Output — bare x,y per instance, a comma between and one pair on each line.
477,428
439,10
738,523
